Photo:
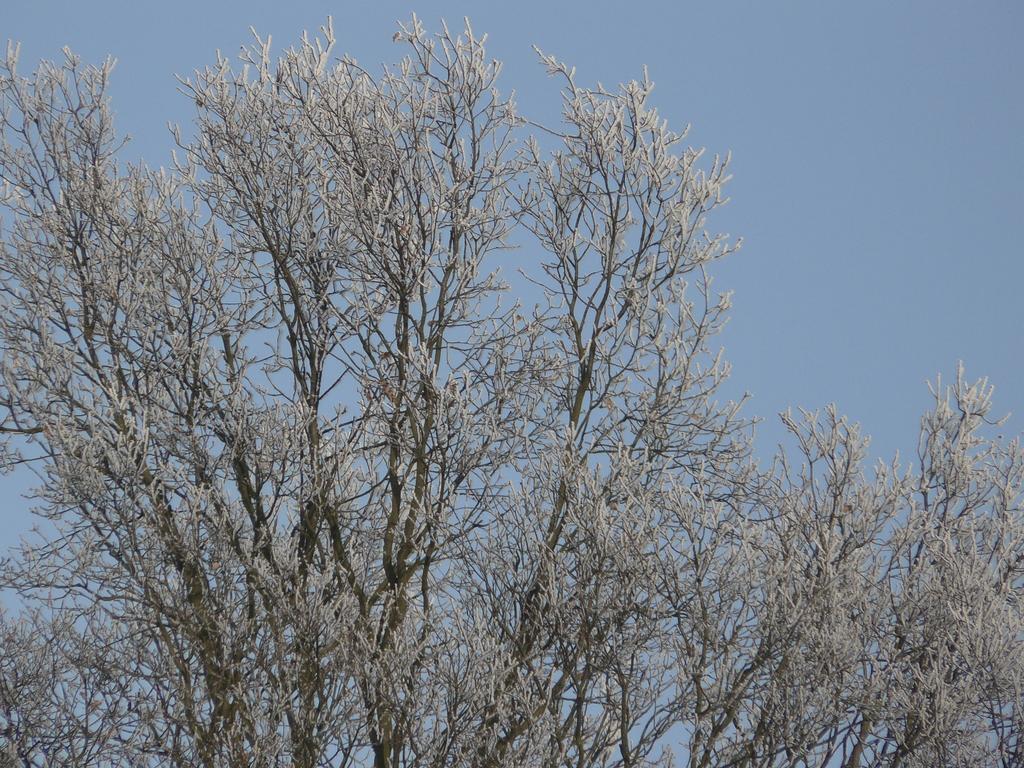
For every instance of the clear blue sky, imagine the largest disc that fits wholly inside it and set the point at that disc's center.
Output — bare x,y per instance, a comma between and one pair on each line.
878,159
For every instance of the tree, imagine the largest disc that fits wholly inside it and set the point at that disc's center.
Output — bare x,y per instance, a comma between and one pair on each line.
324,493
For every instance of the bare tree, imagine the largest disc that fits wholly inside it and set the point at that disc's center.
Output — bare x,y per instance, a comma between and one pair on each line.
324,492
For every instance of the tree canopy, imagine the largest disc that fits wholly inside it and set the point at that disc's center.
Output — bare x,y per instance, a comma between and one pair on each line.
326,486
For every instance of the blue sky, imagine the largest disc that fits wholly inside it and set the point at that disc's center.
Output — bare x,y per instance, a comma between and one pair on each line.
878,153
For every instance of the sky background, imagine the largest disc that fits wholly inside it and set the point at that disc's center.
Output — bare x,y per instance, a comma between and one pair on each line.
877,161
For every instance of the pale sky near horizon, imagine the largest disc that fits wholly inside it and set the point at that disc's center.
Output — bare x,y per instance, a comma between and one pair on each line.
877,161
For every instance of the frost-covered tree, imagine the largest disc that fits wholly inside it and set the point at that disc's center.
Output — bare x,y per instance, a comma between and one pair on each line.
323,489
